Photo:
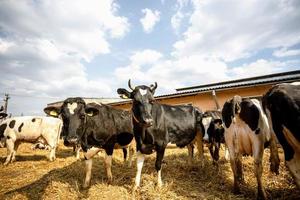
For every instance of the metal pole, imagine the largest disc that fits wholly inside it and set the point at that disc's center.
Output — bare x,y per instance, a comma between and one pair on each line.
6,102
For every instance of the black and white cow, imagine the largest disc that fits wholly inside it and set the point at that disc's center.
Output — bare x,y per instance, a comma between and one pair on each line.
282,105
2,113
95,127
246,133
155,125
51,111
213,132
30,129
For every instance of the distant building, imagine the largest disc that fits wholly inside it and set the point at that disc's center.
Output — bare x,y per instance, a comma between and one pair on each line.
91,100
204,96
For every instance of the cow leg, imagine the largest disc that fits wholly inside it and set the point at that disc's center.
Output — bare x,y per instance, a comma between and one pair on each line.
88,172
294,166
258,155
236,182
77,151
131,153
274,158
239,168
191,153
139,161
16,145
124,153
52,156
108,159
234,162
160,151
216,152
199,142
10,150
52,142
211,150
88,165
227,156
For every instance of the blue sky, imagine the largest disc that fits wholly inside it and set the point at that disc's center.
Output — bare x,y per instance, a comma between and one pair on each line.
54,49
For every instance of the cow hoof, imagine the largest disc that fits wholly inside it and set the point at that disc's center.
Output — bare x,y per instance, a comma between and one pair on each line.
129,164
215,163
6,163
85,185
159,184
236,190
262,195
135,188
109,181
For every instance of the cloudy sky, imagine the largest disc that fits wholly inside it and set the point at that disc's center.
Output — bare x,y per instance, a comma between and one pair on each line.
53,49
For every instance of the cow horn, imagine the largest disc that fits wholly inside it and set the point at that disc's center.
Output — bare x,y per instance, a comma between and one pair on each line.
129,85
153,87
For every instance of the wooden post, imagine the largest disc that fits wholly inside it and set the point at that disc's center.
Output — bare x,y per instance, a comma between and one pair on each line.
216,100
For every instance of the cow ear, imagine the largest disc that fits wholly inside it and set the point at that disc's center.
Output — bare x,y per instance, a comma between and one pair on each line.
124,94
91,111
3,115
52,111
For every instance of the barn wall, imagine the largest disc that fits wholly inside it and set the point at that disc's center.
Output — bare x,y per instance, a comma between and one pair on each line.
205,100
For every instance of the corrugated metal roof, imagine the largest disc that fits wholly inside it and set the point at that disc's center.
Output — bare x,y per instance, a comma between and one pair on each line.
93,100
246,82
285,76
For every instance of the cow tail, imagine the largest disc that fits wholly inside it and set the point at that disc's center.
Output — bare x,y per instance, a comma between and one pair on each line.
199,115
235,142
59,131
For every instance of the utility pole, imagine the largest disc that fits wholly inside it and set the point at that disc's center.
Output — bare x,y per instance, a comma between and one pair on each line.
6,101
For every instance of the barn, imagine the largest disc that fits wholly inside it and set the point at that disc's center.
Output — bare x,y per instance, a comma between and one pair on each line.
205,96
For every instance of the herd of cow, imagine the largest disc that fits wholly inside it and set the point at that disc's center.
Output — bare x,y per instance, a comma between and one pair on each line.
245,126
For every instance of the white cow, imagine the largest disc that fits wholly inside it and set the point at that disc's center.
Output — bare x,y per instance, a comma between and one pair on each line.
30,129
247,132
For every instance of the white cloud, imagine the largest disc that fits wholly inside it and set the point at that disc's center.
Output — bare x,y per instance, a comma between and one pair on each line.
177,18
284,52
43,43
192,70
169,73
150,19
257,68
235,29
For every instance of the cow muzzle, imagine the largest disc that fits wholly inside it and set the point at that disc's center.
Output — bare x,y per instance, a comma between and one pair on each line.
70,141
148,122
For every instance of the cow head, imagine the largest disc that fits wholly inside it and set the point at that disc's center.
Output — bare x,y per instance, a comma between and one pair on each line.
73,115
143,99
230,109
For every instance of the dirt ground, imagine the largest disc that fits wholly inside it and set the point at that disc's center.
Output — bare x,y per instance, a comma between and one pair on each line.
32,176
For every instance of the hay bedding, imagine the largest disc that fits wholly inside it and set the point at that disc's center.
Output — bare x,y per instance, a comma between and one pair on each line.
33,177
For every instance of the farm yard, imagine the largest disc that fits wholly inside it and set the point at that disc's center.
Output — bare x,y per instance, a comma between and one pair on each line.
32,176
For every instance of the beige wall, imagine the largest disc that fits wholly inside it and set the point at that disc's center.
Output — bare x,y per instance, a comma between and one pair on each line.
205,100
